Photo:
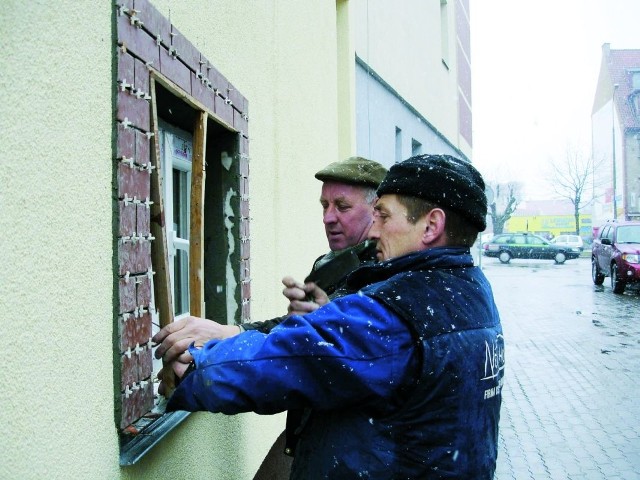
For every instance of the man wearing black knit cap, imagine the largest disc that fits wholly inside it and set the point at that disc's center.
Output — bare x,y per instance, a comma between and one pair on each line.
403,376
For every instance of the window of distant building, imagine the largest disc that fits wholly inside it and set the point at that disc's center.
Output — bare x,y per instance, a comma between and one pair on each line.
416,147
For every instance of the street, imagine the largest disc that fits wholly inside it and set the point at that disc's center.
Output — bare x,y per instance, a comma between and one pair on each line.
570,402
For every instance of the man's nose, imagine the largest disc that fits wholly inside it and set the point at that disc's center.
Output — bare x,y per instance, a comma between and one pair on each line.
374,233
329,215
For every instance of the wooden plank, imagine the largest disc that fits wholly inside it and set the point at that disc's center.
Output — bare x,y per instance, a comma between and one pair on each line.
159,251
196,228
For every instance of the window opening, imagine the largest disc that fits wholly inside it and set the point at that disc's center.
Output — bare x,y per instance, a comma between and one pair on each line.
398,144
416,147
183,235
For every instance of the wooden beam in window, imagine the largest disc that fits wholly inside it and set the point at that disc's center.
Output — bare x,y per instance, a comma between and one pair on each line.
196,234
159,252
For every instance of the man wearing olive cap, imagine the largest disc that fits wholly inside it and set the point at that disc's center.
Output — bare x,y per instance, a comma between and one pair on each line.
347,198
404,374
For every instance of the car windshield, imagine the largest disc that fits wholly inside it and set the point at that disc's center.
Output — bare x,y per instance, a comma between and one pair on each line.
629,234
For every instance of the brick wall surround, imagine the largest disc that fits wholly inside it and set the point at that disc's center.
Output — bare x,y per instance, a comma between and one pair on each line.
147,41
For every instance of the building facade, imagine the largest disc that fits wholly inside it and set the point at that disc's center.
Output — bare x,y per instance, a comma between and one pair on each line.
616,136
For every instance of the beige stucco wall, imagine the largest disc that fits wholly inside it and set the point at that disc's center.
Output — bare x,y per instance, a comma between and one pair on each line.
56,291
402,45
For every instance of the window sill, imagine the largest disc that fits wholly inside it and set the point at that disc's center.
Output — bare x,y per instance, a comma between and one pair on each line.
134,447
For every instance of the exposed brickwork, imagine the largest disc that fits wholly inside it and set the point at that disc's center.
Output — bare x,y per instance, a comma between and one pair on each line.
133,182
126,219
146,41
127,292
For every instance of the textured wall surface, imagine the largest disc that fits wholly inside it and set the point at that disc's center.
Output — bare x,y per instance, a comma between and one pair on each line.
56,219
56,290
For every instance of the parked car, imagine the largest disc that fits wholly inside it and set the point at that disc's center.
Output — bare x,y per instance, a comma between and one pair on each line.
615,253
568,241
527,245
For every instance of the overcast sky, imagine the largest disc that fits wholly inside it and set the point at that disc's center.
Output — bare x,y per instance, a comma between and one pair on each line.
535,66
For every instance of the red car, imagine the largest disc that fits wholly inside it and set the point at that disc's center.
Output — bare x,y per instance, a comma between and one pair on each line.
615,253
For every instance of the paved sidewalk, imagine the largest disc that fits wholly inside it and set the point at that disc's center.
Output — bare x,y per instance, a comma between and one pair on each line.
571,406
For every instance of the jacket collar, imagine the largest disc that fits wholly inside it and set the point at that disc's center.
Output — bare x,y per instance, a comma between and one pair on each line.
431,258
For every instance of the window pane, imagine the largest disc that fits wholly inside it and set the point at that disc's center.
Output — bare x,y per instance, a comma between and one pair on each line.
181,283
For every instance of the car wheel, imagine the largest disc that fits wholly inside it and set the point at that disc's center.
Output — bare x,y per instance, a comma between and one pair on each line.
616,284
596,276
504,256
560,257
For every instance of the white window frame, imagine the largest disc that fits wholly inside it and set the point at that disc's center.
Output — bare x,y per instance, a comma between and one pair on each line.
177,242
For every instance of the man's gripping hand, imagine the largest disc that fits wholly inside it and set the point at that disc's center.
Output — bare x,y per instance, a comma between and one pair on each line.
303,297
174,339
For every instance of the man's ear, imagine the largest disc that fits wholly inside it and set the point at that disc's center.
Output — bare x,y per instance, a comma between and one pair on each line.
434,233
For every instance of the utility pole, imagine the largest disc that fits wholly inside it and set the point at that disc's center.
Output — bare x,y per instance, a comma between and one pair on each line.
613,154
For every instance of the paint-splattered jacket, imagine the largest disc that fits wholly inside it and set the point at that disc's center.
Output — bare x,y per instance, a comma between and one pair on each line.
403,377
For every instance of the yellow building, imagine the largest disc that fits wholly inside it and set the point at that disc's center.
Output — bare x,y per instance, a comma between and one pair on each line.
549,218
103,103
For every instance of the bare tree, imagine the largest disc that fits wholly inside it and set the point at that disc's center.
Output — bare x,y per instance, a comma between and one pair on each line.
506,198
572,179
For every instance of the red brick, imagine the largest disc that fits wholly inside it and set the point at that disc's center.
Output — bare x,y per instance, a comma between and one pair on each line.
244,145
201,93
186,51
141,77
128,370
143,218
236,98
246,312
239,123
135,110
244,208
218,81
134,257
125,145
245,270
133,182
244,166
134,331
139,402
245,249
246,290
127,295
145,364
244,186
224,111
143,148
126,219
126,68
244,228
143,291
154,22
137,41
175,70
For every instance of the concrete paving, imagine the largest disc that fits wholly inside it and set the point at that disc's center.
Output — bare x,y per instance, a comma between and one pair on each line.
570,401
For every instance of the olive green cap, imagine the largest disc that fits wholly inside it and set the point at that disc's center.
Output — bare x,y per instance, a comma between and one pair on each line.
354,171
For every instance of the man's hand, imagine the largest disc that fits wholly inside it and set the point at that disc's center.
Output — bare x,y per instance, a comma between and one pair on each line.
303,298
179,367
175,338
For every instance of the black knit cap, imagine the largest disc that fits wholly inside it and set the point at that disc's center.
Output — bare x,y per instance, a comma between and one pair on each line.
442,179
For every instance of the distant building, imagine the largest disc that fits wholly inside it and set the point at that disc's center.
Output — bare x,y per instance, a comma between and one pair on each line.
615,121
406,103
549,218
